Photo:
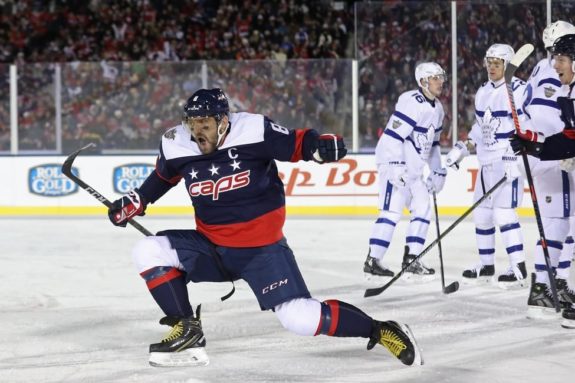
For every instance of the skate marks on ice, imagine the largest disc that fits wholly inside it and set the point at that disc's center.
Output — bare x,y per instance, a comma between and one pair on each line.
74,309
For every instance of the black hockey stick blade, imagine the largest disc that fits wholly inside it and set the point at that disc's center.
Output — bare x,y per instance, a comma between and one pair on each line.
516,61
451,288
67,170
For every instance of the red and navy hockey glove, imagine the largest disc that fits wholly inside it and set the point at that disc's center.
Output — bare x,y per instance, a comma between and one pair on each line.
123,209
330,148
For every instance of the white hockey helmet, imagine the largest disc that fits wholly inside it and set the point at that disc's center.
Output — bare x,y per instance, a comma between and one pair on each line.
500,51
426,70
555,30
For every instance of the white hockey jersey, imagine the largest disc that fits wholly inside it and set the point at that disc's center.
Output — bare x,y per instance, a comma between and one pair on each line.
412,134
493,121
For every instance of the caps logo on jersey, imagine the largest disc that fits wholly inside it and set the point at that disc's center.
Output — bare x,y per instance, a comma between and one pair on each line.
48,180
130,176
221,185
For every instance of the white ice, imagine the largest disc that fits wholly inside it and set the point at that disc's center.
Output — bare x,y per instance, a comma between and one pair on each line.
73,309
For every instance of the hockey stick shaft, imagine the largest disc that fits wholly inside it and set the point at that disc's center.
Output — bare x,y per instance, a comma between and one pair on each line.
67,170
379,290
439,242
512,66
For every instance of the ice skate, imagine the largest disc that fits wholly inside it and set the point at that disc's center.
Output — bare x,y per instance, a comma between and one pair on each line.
417,271
183,346
478,273
515,276
397,339
568,317
540,303
564,292
372,268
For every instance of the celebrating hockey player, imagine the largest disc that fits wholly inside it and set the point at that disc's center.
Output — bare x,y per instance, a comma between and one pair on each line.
227,162
409,144
553,181
559,145
490,135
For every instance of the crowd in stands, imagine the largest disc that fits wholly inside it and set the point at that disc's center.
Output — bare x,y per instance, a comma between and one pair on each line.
127,66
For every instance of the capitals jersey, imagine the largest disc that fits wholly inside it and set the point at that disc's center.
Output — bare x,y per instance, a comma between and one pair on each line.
494,125
238,197
412,134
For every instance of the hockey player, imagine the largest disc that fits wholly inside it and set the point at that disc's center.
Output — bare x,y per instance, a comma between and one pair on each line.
553,181
409,144
490,136
227,162
560,145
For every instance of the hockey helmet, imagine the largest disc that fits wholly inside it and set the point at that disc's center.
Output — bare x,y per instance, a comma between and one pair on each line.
206,103
555,30
565,46
428,69
500,51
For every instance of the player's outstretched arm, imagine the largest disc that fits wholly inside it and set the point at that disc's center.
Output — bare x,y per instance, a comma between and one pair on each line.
327,148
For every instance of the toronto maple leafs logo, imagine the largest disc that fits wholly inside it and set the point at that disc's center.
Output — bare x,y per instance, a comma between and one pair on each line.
489,125
425,141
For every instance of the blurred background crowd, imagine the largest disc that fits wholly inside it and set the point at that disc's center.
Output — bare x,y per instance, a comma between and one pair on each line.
117,72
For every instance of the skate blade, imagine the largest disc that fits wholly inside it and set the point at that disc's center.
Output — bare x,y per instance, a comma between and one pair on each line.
545,313
512,285
417,278
187,358
476,281
568,323
418,357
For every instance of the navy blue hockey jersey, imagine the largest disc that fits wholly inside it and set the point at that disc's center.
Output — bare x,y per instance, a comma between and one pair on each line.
238,197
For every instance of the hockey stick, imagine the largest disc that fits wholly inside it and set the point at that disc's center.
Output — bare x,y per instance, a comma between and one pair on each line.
454,286
67,170
379,290
512,66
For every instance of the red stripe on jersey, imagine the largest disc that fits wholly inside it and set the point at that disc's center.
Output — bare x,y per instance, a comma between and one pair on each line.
261,231
173,273
569,133
334,306
173,180
297,154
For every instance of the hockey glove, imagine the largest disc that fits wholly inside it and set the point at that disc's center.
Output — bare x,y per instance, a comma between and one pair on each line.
511,167
330,148
456,154
397,174
436,180
127,207
528,142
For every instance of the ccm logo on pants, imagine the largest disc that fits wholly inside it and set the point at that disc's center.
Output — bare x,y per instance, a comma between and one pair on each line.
274,286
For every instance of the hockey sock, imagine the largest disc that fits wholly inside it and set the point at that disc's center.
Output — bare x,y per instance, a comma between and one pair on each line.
168,287
343,320
382,232
416,233
513,242
565,259
485,235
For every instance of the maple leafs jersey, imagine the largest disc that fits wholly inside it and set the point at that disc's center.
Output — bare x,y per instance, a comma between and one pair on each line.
494,125
238,196
412,133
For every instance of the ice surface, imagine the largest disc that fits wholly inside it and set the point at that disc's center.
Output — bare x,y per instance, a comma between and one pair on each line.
73,309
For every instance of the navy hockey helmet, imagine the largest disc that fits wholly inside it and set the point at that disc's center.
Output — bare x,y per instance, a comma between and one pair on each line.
207,103
565,46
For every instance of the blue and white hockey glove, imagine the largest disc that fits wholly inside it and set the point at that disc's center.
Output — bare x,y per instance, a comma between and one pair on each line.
456,154
127,207
397,173
436,180
330,148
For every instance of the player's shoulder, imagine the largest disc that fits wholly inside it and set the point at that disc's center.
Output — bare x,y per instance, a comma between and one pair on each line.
177,142
245,128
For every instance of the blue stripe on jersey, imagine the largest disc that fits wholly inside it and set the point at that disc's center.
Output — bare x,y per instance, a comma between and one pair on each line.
564,265
551,81
435,143
420,129
405,118
387,197
504,135
566,194
514,192
413,143
542,101
392,134
497,113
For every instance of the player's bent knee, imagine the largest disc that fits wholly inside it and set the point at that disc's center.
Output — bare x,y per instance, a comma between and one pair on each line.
505,216
153,251
300,316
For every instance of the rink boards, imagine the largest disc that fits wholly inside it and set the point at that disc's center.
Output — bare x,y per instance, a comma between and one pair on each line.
35,185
